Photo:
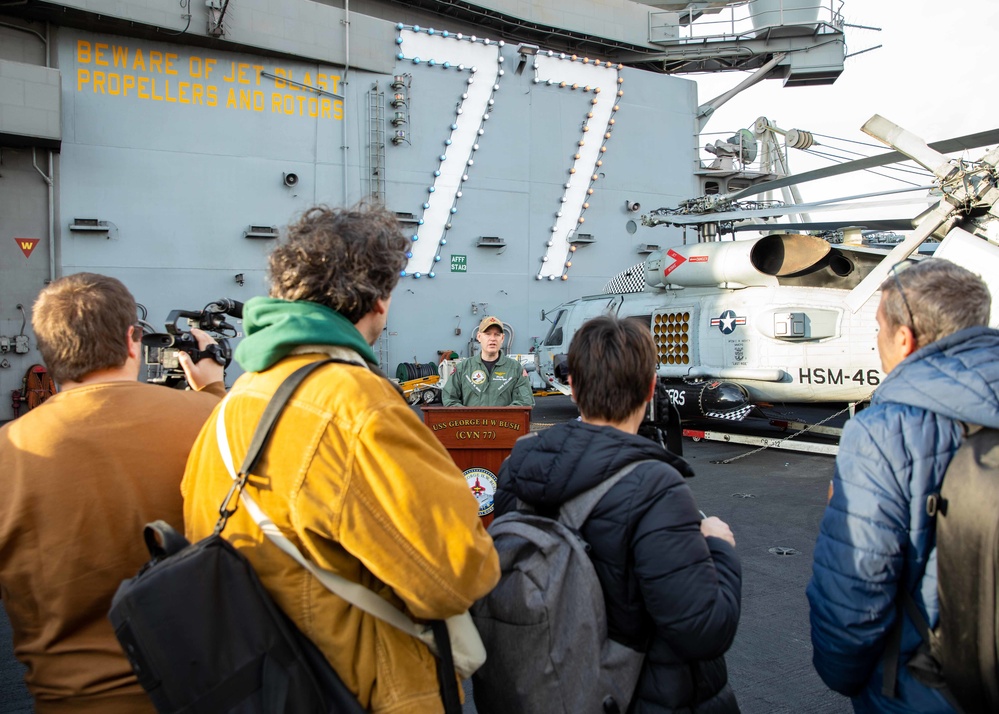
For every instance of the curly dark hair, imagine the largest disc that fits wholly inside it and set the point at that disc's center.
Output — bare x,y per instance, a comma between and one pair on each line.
343,258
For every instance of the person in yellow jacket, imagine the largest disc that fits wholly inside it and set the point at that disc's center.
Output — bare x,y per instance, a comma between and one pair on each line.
351,475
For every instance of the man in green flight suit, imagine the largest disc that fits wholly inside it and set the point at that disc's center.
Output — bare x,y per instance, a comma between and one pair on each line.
489,379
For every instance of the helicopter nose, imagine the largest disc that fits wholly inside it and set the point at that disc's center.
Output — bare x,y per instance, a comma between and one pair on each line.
714,399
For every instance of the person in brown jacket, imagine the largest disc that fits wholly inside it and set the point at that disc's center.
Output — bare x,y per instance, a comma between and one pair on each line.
81,475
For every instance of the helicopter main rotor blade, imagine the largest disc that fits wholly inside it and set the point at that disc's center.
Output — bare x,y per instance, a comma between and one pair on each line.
945,212
942,213
970,141
878,224
909,144
699,218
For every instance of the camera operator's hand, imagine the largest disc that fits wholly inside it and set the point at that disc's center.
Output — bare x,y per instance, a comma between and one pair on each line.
716,527
202,373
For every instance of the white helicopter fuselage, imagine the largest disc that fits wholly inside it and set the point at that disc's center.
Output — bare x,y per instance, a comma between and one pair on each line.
787,344
767,314
780,343
771,315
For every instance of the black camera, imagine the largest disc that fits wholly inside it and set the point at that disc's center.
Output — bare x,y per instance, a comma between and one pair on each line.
662,421
162,349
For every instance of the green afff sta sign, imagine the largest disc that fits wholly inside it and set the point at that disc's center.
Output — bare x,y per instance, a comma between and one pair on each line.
459,264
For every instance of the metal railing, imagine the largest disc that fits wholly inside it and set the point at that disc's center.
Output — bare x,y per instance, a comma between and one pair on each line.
755,19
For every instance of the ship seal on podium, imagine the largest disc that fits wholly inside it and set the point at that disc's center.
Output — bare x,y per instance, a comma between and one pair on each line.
482,483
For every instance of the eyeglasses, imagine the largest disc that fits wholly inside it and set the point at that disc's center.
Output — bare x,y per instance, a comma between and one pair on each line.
895,270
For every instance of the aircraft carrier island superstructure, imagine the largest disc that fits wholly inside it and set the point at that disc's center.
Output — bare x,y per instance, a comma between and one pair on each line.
167,142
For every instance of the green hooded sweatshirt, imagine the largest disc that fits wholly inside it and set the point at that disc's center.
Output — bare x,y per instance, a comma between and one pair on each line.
275,327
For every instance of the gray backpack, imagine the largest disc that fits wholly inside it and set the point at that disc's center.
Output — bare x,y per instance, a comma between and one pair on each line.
960,657
544,626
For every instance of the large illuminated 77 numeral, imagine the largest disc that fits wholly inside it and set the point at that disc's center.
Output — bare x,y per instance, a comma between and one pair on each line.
481,58
602,82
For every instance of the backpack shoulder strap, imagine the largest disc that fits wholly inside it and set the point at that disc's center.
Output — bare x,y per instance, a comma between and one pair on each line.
260,436
354,593
274,408
575,511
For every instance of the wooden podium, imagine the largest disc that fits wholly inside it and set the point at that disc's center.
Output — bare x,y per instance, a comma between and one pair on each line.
478,439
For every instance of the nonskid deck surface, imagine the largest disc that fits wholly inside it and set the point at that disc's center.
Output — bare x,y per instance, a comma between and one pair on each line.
773,500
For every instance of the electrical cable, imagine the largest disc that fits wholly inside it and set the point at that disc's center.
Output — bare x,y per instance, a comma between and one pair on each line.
831,157
185,4
843,159
850,141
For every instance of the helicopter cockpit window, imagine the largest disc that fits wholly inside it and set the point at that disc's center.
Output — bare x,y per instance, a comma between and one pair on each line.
644,320
554,336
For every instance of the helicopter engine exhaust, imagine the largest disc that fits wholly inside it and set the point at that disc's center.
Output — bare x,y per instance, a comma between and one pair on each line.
711,399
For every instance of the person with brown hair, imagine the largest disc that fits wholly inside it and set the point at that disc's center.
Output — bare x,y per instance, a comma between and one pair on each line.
490,378
671,579
82,474
878,535
351,475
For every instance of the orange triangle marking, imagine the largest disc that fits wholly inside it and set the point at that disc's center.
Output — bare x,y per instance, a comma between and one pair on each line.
26,245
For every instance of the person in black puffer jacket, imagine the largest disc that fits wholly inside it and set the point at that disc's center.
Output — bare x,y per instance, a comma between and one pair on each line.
671,580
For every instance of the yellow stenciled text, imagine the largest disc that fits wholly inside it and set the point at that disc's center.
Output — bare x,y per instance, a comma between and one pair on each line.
118,70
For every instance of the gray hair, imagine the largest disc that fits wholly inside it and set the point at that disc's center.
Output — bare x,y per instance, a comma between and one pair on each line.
935,298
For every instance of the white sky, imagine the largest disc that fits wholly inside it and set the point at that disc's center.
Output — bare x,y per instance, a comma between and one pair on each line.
935,75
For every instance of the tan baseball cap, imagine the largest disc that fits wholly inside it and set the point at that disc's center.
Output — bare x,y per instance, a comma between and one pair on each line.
489,322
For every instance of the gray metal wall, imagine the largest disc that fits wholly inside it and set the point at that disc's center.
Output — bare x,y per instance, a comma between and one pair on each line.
23,200
178,180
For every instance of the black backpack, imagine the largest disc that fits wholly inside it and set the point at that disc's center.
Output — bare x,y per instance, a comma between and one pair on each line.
960,657
203,635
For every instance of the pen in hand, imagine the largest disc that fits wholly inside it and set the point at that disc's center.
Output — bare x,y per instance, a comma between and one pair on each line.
717,528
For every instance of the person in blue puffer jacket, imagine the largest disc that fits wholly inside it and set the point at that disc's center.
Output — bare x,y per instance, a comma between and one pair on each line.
942,363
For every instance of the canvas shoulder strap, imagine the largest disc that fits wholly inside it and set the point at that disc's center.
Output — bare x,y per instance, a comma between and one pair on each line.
260,436
575,511
275,406
356,594
352,592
